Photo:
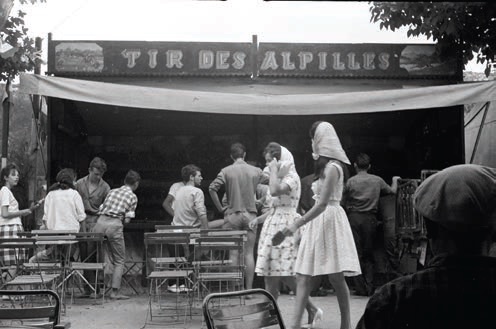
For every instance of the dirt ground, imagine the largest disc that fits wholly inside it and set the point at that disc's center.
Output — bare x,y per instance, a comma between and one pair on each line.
132,313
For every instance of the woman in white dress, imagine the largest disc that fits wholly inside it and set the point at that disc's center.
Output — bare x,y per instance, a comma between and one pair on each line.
276,263
327,245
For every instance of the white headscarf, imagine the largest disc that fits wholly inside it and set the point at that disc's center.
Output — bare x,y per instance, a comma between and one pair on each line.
287,160
326,143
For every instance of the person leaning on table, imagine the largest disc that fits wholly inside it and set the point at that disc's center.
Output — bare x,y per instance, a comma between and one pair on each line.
458,287
117,210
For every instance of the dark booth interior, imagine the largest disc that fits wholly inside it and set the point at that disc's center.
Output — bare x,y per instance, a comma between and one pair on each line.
157,143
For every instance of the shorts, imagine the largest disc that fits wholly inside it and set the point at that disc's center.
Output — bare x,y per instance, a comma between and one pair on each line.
239,220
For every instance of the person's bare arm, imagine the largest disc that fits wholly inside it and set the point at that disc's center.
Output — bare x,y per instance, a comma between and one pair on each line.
394,185
216,201
275,186
167,204
331,179
218,182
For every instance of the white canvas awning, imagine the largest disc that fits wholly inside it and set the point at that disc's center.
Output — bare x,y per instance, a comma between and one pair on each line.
258,103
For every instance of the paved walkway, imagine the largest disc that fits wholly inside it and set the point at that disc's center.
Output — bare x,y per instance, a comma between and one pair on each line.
84,313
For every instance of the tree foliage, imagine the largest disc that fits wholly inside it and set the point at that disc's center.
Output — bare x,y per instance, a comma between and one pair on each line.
464,27
14,33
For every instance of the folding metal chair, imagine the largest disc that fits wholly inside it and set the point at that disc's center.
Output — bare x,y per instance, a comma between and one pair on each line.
76,269
219,262
31,309
168,269
56,267
246,309
17,251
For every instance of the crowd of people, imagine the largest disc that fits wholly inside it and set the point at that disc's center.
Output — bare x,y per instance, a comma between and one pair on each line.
87,205
323,225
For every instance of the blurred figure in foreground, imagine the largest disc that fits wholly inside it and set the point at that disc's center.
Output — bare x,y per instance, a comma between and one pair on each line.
458,287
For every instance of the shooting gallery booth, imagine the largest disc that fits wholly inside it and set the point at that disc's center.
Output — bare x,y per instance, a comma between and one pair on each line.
157,106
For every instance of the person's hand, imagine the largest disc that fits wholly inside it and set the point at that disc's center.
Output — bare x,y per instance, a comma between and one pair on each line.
43,227
253,224
396,178
35,205
272,164
127,220
284,167
291,229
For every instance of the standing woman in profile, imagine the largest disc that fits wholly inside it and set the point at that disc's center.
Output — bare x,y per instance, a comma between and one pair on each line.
10,219
276,263
327,245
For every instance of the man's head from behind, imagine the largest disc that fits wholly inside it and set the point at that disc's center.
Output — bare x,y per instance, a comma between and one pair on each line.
458,203
362,162
132,179
238,151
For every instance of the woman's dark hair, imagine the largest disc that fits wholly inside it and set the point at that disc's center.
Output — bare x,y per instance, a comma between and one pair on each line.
6,171
274,149
65,180
313,128
321,163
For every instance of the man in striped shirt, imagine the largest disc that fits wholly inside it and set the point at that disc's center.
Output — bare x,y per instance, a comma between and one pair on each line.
118,207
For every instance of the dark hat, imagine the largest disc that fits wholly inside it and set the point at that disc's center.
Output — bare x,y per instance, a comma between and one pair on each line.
460,198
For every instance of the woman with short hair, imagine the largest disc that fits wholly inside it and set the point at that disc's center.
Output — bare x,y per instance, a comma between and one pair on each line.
10,219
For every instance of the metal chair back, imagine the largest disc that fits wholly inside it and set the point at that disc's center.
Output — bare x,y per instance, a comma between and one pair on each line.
246,309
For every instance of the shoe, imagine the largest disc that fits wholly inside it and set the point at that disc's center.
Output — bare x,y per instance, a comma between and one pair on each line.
317,318
360,292
119,297
172,288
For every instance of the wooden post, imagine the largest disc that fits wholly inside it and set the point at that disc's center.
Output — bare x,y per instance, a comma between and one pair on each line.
5,123
254,52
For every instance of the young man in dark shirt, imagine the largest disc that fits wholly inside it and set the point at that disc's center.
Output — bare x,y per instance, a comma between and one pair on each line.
361,199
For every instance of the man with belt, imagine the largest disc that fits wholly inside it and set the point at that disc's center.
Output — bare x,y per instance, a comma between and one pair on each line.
240,181
118,207
93,190
361,200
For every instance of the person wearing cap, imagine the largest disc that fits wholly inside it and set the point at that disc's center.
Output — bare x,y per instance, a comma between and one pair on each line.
327,246
361,199
457,289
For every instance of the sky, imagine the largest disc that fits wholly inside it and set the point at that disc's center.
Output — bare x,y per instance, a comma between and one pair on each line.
210,21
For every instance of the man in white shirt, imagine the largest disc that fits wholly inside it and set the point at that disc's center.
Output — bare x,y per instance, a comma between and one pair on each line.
168,203
189,202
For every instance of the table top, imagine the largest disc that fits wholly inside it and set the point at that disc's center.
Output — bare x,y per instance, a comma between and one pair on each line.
55,242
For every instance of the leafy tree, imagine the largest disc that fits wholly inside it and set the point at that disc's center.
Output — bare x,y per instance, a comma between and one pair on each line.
14,33
465,27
